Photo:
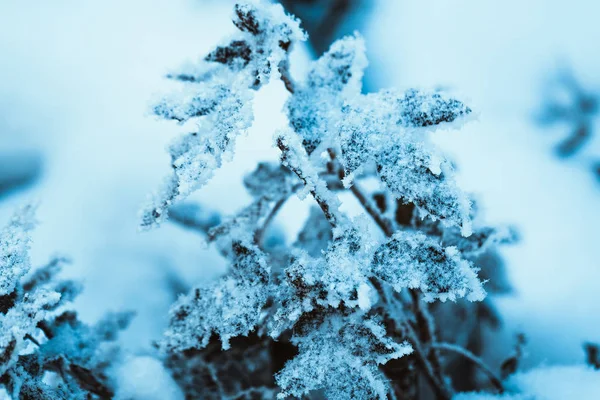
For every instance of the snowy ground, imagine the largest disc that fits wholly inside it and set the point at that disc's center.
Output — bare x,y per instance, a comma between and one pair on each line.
76,79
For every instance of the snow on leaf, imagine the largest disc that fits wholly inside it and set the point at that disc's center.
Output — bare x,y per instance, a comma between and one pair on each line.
406,169
412,260
421,109
229,307
383,129
218,95
336,76
341,357
192,101
340,276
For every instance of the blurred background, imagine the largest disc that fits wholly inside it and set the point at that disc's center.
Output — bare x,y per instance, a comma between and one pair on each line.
77,78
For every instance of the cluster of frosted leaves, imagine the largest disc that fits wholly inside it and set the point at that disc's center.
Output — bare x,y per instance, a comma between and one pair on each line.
24,304
413,260
228,307
334,78
217,96
83,354
384,129
340,355
340,277
27,310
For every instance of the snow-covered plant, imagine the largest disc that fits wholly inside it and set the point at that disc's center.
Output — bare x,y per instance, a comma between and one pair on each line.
46,353
345,310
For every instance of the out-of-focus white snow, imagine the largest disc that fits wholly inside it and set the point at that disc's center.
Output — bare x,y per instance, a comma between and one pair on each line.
144,377
548,383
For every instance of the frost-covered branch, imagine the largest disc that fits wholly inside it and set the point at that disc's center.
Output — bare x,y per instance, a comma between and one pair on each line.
79,354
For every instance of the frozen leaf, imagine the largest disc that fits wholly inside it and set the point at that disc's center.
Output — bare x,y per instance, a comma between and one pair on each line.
412,260
229,307
270,181
413,175
315,106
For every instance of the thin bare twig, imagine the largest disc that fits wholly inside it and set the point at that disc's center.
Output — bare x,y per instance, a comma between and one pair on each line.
32,339
260,232
439,386
474,359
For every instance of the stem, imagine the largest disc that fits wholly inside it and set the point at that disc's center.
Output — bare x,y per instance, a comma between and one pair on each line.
370,208
474,359
32,339
441,389
260,232
322,202
426,327
284,72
